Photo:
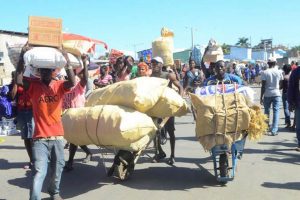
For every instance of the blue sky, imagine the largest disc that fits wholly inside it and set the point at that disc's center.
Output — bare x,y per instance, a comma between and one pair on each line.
123,24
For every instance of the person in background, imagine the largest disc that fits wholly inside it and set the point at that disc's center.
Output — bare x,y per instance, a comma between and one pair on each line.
270,93
237,70
48,143
24,117
222,77
293,65
142,69
294,100
75,98
157,64
104,78
124,72
284,87
247,74
192,77
117,68
252,74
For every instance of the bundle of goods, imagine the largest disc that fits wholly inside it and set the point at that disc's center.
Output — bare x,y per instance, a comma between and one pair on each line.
227,88
225,117
78,44
164,46
213,53
149,95
114,54
109,126
44,57
14,49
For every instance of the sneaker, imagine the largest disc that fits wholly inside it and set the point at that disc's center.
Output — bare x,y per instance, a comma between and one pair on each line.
88,158
171,161
68,167
29,166
67,145
274,134
298,148
288,126
158,157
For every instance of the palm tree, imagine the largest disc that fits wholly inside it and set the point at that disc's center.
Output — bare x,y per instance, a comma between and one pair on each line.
243,42
225,48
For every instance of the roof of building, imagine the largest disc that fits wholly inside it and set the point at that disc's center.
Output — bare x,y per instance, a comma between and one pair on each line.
13,33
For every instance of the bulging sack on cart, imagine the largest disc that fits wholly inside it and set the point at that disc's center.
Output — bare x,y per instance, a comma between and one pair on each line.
140,94
169,104
209,141
108,125
226,113
227,88
44,57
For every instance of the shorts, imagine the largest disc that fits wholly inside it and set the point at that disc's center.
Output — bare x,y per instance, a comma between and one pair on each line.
25,123
169,125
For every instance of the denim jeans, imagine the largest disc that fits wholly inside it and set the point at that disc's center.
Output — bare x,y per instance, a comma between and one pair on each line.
44,152
276,105
297,115
286,109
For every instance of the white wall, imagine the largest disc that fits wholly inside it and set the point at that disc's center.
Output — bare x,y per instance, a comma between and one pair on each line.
7,67
240,53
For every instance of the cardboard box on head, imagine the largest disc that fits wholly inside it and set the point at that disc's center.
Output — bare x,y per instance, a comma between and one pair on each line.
45,31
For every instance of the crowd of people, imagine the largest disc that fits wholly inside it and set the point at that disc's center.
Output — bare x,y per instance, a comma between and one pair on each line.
40,102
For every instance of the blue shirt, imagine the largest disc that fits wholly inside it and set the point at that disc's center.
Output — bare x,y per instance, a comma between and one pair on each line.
228,79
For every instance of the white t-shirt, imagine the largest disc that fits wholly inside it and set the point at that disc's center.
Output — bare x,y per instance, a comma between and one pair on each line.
272,76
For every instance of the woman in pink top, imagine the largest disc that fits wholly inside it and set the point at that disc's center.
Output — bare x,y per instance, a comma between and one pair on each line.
124,73
104,78
76,99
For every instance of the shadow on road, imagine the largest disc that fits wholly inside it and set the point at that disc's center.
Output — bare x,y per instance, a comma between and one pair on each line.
286,155
289,185
82,179
5,164
172,177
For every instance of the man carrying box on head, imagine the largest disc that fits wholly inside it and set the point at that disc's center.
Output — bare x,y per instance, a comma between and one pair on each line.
48,145
157,64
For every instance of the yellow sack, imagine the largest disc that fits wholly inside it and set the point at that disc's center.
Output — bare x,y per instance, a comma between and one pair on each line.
140,94
222,113
108,125
169,104
209,141
163,47
77,47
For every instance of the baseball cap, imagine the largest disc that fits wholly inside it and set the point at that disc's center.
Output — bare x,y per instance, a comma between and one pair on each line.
158,59
272,59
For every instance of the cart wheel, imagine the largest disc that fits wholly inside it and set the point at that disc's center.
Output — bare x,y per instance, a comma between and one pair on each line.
223,164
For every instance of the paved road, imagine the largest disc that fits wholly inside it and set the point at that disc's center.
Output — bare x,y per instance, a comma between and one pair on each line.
269,169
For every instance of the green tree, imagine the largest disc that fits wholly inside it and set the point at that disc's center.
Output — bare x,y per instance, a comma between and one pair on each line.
243,42
225,48
296,48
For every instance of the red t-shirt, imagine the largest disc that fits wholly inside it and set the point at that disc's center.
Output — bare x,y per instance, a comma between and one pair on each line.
47,108
23,99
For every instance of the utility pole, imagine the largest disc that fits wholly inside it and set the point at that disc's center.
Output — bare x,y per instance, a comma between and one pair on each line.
134,47
192,35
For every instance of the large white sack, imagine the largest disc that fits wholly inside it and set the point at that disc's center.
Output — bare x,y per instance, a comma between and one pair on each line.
44,57
140,93
110,126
